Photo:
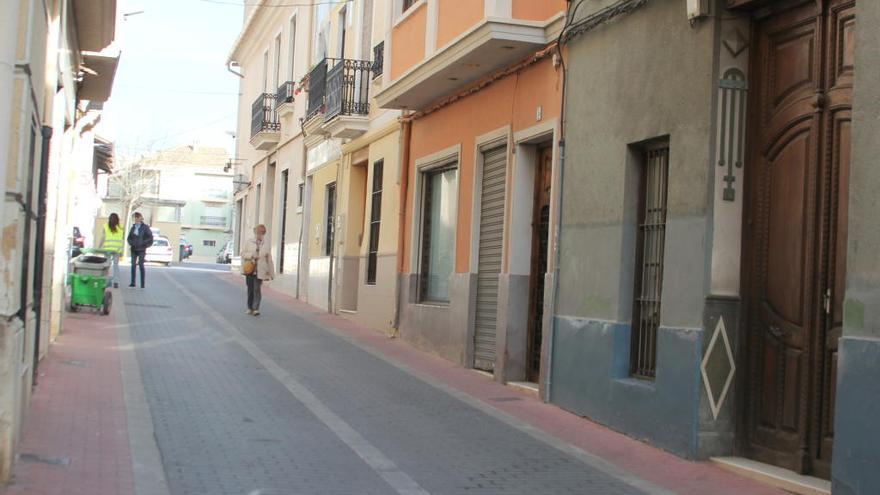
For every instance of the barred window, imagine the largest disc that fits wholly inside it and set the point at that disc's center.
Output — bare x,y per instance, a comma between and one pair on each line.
375,219
650,241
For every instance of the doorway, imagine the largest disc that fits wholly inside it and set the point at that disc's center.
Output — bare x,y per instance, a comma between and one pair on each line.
795,235
540,241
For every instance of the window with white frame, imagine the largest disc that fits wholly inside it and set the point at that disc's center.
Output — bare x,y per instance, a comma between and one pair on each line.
292,48
277,81
437,231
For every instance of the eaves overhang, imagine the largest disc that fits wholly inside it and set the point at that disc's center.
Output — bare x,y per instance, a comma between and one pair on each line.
494,44
98,74
246,30
95,23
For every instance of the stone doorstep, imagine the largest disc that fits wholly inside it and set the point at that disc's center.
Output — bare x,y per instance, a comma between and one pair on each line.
774,476
527,387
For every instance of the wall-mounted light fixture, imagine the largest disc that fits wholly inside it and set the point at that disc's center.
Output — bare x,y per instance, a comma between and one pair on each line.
697,9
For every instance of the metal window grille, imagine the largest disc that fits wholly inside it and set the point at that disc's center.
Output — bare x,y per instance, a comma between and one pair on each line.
285,183
649,262
378,59
375,217
212,220
331,214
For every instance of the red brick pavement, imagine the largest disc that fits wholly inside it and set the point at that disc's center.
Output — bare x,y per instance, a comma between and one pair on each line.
649,463
77,417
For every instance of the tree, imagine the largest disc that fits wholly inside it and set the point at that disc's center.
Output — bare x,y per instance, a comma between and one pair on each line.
129,183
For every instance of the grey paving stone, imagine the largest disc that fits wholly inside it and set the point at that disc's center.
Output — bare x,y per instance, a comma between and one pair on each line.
224,425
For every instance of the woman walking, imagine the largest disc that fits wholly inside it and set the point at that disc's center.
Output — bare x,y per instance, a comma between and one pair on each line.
113,239
256,266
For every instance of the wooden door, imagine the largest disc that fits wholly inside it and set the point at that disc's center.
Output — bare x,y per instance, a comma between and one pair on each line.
540,238
796,231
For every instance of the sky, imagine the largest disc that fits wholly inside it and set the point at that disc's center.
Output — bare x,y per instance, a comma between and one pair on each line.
172,87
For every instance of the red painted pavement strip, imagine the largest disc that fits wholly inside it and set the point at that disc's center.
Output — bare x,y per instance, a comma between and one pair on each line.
77,417
647,462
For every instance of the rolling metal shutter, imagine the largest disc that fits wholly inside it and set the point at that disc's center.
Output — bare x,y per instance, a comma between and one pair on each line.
489,262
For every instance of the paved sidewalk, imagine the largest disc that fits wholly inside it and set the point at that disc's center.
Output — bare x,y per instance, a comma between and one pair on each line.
75,439
552,424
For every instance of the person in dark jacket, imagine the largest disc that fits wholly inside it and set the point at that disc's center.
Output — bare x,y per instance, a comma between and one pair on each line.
140,237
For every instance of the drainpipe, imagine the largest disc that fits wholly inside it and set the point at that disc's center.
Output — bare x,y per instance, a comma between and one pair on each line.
39,262
548,379
230,69
403,180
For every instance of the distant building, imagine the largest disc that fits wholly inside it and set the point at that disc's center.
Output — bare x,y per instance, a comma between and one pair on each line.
186,192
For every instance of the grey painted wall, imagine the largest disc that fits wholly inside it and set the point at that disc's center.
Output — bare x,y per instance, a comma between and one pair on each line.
445,330
857,437
624,88
646,75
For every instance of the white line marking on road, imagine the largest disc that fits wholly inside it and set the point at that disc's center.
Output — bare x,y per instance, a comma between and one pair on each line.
382,465
560,444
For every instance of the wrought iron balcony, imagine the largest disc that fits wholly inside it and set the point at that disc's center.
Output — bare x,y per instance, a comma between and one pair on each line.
263,117
378,59
265,128
339,87
284,95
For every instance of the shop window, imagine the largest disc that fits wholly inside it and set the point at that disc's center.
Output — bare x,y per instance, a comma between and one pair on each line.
437,234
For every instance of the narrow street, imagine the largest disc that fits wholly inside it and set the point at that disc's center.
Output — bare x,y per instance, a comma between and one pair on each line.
278,405
287,404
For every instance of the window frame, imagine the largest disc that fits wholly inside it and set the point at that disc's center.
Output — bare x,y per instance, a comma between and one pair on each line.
329,218
375,220
291,45
643,338
425,172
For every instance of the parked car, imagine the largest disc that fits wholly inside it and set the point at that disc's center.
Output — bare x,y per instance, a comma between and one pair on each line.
186,249
161,251
225,254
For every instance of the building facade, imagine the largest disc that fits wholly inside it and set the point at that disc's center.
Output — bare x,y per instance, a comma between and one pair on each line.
56,67
186,192
352,171
706,271
480,86
321,166
270,57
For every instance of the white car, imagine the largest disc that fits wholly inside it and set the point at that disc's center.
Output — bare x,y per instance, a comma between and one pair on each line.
161,251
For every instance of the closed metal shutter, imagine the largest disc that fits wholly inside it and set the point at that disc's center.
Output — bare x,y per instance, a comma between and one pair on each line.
489,262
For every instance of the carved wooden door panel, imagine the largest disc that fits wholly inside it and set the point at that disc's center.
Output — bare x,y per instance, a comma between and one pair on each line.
839,70
796,218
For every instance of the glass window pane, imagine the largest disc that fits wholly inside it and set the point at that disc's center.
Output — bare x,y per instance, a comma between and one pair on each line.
442,234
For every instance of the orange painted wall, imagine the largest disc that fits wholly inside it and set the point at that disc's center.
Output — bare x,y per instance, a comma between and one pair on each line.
537,10
408,41
510,101
455,17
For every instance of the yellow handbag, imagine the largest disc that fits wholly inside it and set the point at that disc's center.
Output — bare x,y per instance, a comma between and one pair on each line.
248,267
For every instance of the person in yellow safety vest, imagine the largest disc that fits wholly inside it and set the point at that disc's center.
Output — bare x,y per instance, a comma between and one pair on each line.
113,239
